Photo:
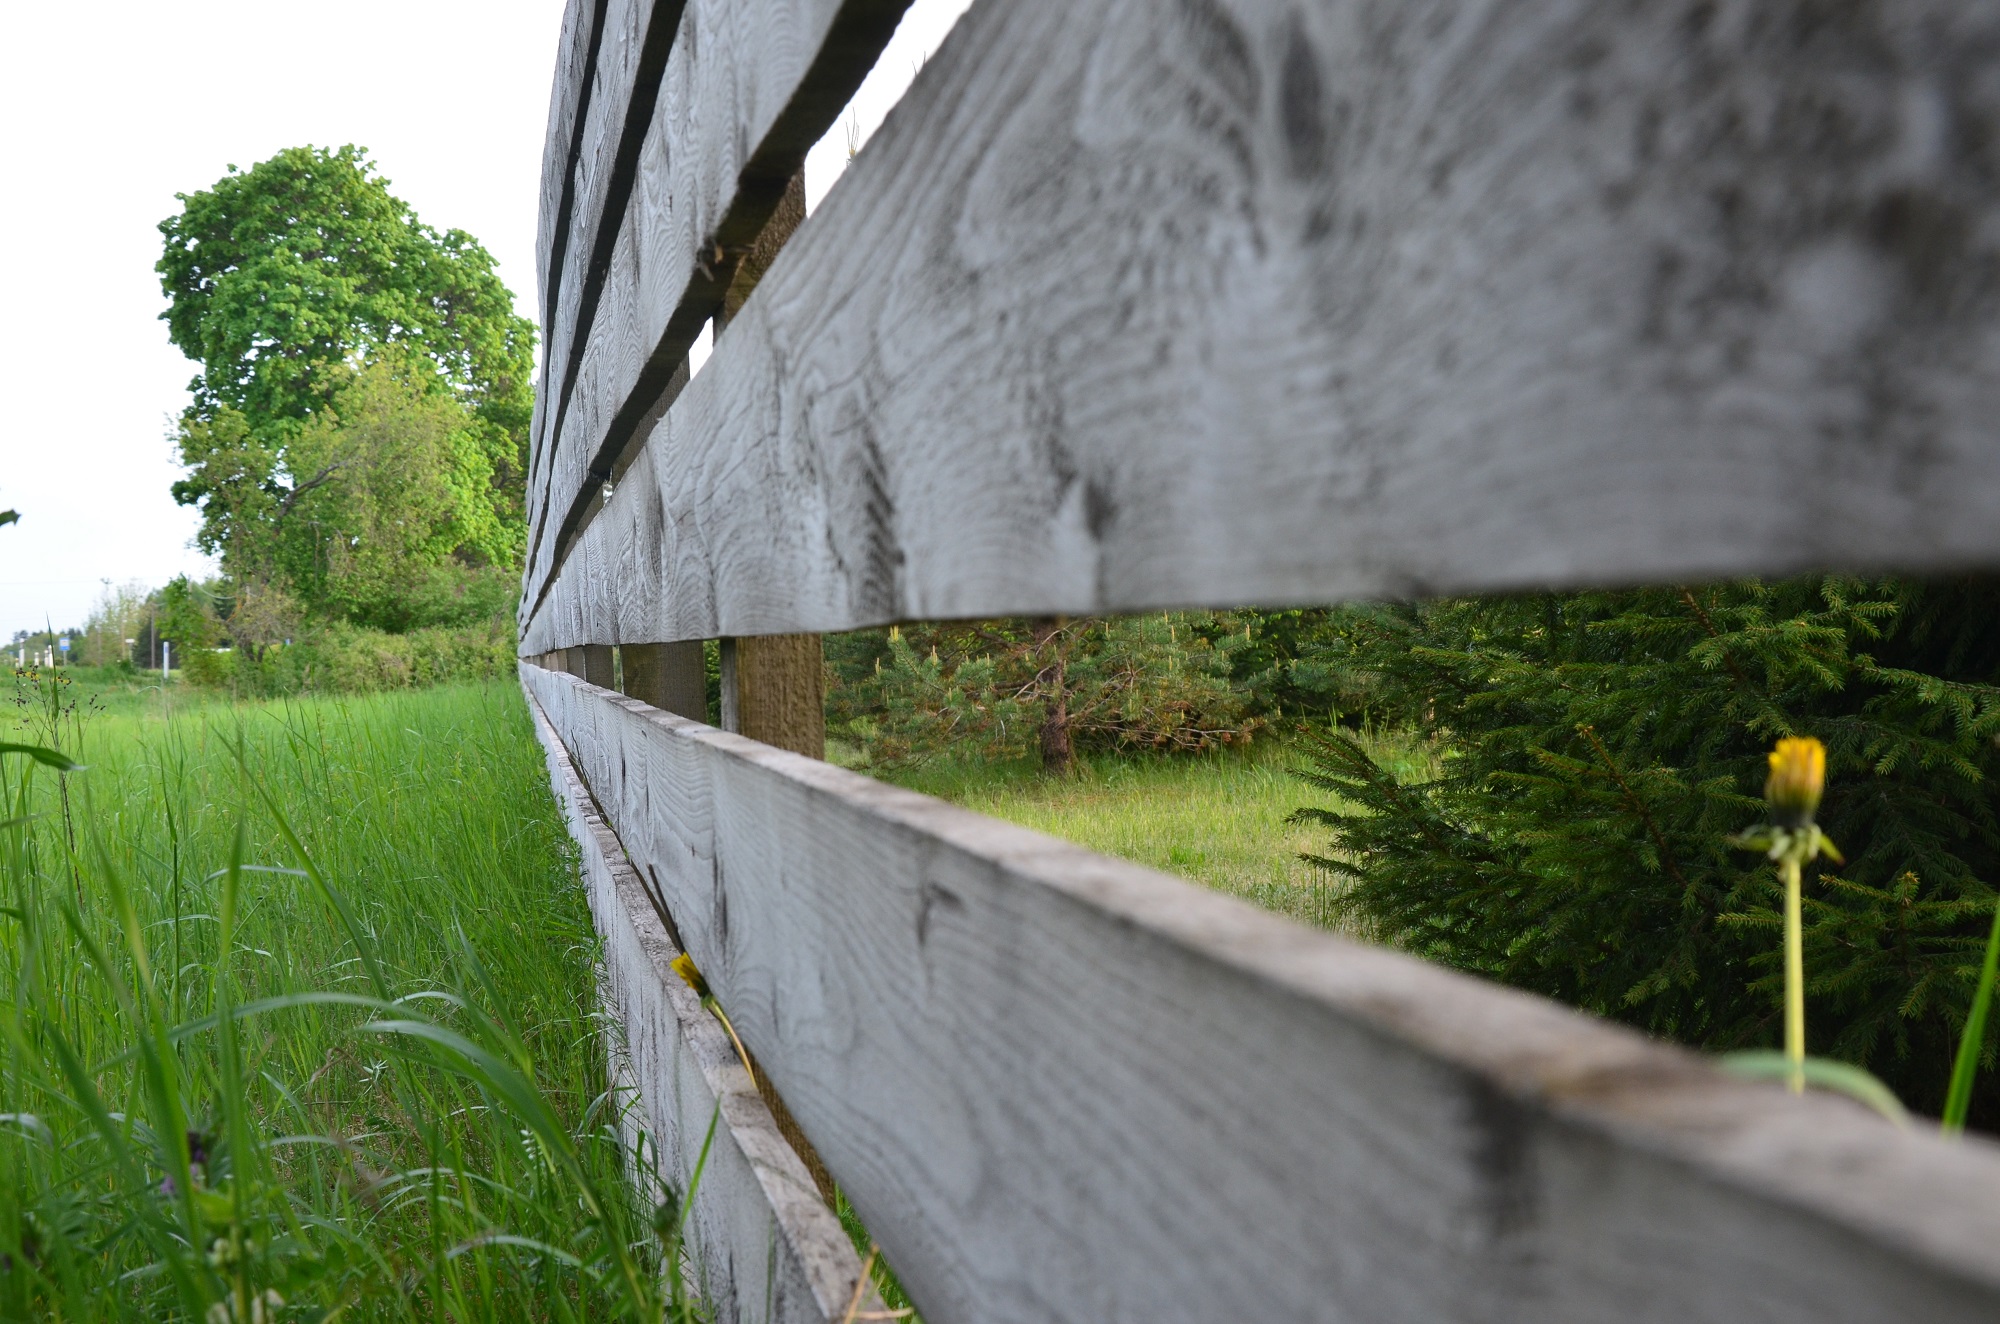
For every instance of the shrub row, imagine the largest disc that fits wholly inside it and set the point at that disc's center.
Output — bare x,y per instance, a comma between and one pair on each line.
349,659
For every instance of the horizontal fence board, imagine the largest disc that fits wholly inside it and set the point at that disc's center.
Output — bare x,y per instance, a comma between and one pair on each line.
630,54
766,1249
1061,1087
749,86
1256,302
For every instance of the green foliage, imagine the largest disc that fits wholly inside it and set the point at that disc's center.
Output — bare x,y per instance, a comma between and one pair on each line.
1291,664
1965,1065
1003,689
401,487
237,480
122,614
188,617
397,511
347,659
361,418
1596,751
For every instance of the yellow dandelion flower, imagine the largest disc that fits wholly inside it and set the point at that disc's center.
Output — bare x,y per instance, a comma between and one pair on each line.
684,967
1798,777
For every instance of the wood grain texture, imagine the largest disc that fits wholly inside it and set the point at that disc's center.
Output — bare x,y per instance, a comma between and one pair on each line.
1244,301
774,691
766,1248
569,98
749,86
1061,1087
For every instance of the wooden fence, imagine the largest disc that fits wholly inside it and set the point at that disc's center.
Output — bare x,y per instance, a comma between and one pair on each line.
1203,303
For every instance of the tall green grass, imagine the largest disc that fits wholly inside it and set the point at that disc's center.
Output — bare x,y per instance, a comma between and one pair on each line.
297,1022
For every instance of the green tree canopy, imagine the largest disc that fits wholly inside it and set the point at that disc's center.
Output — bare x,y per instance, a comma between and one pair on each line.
401,494
282,276
388,518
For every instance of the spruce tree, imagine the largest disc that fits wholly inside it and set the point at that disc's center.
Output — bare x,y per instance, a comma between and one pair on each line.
1593,751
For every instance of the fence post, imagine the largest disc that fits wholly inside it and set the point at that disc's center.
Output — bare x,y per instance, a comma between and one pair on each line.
773,690
592,663
772,687
668,676
789,214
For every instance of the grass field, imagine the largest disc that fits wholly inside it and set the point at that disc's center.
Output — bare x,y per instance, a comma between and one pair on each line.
298,1020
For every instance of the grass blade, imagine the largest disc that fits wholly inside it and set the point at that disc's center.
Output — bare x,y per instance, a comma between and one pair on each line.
1958,1099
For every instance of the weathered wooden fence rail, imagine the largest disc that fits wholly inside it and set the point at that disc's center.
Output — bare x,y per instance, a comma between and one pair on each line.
1208,303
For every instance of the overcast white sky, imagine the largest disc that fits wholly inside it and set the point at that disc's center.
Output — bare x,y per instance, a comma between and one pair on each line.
450,97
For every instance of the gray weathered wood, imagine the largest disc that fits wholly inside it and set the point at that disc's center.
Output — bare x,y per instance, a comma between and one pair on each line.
1061,1087
602,102
773,686
766,1248
574,48
1129,306
576,55
749,86
631,51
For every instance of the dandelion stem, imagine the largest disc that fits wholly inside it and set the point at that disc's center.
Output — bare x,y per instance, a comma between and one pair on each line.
741,1052
1795,974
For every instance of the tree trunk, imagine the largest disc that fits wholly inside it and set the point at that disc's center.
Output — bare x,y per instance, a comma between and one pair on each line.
1058,752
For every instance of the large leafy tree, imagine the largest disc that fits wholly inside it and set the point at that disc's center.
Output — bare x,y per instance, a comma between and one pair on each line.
289,282
283,275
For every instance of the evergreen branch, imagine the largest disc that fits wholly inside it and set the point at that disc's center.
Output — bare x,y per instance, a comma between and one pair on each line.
1708,624
1638,806
1385,785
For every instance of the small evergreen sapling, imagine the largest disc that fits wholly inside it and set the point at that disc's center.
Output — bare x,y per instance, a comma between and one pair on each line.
1047,688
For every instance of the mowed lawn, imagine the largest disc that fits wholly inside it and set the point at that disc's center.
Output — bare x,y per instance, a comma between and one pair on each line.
1218,819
